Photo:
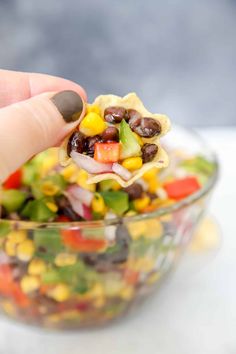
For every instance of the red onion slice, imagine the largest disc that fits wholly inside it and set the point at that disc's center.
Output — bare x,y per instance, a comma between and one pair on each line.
121,171
79,208
83,195
89,164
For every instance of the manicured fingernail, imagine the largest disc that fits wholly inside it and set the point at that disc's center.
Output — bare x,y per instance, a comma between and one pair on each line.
69,104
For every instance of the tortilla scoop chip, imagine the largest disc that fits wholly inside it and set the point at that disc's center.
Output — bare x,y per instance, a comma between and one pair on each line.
130,101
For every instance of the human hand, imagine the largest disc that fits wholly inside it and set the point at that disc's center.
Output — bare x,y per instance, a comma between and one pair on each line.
36,111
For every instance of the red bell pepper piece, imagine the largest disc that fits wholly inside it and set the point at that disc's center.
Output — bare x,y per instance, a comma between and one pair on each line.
13,181
63,218
10,288
107,152
76,241
181,188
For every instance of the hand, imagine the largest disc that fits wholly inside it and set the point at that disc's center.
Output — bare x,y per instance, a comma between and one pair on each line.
36,111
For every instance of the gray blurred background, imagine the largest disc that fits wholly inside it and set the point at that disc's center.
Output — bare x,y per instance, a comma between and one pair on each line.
178,55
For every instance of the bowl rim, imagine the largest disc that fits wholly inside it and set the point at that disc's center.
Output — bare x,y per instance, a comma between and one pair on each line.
189,200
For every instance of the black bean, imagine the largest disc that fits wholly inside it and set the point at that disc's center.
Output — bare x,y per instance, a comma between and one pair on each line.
89,144
114,114
134,191
149,151
151,195
145,127
132,113
76,143
110,134
66,209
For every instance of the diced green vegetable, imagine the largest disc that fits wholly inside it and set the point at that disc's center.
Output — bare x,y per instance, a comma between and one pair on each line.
51,277
55,179
143,245
49,240
12,199
5,228
30,174
118,201
198,165
106,184
81,287
37,210
129,145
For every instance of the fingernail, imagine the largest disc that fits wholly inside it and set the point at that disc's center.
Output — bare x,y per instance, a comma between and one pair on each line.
69,104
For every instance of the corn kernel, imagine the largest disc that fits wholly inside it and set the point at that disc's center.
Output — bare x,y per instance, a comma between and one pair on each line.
137,229
93,108
25,250
115,186
49,189
153,185
127,293
29,283
144,264
8,308
10,248
37,266
98,204
65,259
82,178
92,124
54,318
154,229
132,163
52,206
141,203
60,292
138,138
150,174
17,236
153,278
97,290
48,163
69,173
99,302
70,315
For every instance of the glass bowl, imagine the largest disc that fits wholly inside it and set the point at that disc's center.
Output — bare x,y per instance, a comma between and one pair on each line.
55,284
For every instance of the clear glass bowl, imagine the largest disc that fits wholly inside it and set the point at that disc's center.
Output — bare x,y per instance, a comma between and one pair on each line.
144,248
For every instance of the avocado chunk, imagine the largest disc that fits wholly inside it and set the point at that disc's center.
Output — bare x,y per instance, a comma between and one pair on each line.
12,199
129,145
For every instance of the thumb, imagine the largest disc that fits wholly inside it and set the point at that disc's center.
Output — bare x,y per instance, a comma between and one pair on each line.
30,126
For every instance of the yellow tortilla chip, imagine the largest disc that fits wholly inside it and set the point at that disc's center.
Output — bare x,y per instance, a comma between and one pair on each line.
130,101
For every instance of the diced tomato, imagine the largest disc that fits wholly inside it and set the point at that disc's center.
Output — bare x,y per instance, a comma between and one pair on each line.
75,240
181,188
131,277
10,288
63,218
107,152
13,181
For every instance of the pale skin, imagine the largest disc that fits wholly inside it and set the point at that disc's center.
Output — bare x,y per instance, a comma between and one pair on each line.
29,121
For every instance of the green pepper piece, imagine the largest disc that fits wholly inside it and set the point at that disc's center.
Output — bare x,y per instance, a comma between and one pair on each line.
81,287
4,228
56,179
70,274
30,174
12,199
118,201
129,145
106,185
51,277
37,210
49,240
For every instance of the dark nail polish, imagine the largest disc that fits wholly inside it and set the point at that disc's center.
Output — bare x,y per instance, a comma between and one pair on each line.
69,104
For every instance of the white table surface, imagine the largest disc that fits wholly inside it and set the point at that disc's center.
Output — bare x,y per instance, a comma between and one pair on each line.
195,310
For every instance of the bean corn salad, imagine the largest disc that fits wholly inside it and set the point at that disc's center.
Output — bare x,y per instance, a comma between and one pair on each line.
79,272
